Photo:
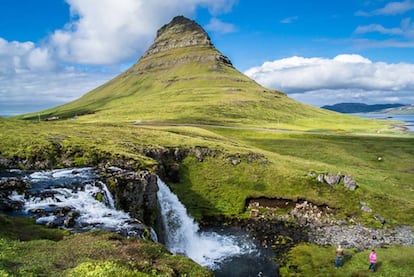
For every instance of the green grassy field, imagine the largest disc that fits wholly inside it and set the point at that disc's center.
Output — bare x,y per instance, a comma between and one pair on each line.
311,260
216,187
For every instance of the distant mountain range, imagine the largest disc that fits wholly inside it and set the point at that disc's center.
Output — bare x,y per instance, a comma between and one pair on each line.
365,108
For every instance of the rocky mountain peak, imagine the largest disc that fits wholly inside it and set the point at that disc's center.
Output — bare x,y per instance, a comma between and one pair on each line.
180,32
180,43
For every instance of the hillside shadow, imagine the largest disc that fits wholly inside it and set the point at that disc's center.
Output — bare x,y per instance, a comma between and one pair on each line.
198,207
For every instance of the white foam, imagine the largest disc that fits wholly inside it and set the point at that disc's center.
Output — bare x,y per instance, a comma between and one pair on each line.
92,212
84,173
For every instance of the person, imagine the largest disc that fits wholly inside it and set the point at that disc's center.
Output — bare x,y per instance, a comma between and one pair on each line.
372,260
339,255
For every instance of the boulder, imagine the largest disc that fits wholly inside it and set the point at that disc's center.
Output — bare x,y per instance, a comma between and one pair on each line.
380,219
70,219
332,179
254,213
350,183
14,184
366,209
8,186
320,178
7,204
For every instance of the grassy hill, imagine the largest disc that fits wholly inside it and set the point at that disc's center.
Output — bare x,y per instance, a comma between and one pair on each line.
183,78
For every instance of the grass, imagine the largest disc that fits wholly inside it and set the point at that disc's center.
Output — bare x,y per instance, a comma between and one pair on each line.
312,260
223,187
34,250
215,186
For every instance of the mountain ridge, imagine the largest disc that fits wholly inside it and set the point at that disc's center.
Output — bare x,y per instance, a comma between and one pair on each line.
360,107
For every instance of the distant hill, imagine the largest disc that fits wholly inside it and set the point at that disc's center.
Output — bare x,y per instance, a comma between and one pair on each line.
359,107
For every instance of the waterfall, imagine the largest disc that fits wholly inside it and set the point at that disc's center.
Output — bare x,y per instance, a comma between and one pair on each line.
183,236
108,195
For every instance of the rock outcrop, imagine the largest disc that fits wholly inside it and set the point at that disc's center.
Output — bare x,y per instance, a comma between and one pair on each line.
134,193
334,179
180,32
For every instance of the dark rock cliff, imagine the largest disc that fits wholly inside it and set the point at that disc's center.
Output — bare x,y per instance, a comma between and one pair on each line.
134,193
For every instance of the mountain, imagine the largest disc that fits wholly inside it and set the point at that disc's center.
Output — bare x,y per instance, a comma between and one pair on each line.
182,78
360,107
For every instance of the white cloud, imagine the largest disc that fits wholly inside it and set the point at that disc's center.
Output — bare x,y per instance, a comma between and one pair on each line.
351,58
30,79
289,20
392,8
319,81
216,25
107,31
16,57
405,31
378,28
408,28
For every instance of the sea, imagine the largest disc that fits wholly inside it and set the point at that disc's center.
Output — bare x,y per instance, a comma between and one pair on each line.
408,119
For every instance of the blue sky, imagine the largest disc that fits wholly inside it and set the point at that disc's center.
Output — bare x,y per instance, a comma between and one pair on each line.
318,52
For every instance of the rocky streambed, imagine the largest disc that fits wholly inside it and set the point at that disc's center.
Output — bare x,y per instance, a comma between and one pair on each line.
307,222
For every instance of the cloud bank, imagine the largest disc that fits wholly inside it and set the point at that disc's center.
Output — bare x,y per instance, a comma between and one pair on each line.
344,78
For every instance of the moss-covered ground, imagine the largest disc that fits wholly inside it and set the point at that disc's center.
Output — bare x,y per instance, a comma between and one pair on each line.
32,250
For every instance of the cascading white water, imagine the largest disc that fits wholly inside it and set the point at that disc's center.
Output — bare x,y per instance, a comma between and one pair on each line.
76,190
182,234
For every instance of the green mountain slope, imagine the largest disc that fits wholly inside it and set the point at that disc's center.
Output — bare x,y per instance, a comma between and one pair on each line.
183,78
